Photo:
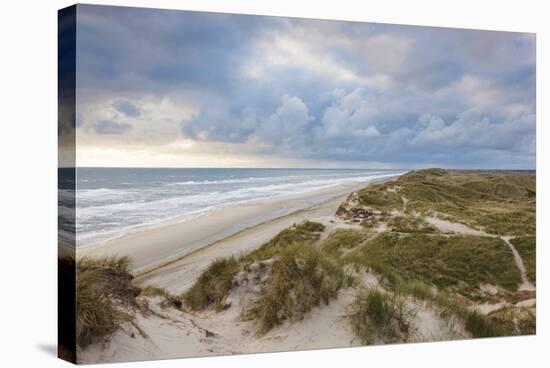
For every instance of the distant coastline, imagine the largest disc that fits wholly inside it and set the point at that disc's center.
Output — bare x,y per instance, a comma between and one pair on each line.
176,237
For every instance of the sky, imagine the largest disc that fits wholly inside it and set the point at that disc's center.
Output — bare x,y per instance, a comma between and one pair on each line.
164,88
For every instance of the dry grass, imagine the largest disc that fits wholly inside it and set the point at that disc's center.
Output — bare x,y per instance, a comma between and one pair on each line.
515,321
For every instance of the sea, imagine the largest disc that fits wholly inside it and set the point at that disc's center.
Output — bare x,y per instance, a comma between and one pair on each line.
111,202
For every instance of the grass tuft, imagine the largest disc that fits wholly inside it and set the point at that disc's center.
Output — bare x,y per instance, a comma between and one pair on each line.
213,285
378,318
102,285
301,277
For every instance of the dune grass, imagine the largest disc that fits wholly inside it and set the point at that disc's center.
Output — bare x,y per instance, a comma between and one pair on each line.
343,239
527,248
501,203
449,306
301,277
380,318
458,262
304,233
102,285
213,285
515,321
152,291
410,224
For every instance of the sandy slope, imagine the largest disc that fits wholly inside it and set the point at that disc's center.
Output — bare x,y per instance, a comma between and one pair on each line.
167,332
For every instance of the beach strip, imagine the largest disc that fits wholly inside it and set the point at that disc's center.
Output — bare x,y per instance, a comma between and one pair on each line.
235,228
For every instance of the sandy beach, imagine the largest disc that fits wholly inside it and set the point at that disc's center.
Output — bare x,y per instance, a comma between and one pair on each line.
228,230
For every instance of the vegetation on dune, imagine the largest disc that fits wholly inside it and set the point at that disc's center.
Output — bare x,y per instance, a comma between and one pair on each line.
304,233
450,307
501,203
343,239
101,286
378,318
152,291
527,248
378,197
301,277
410,224
458,262
213,285
514,321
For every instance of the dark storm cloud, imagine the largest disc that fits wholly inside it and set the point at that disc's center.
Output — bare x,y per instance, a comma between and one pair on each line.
322,90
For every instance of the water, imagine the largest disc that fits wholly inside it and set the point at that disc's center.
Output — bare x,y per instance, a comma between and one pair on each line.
113,201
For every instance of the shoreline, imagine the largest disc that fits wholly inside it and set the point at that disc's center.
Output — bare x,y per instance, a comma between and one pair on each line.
174,241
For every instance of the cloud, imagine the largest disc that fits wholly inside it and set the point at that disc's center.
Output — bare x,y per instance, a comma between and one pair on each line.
473,130
107,127
218,124
287,88
288,124
351,114
126,107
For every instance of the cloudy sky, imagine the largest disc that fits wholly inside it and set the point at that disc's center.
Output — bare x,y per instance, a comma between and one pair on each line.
188,89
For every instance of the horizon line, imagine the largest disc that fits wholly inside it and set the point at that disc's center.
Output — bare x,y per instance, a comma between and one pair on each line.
294,168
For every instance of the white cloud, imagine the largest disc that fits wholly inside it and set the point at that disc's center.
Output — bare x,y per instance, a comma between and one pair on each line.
287,123
352,114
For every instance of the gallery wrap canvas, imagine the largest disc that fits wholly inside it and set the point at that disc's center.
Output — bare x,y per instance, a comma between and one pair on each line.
234,184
